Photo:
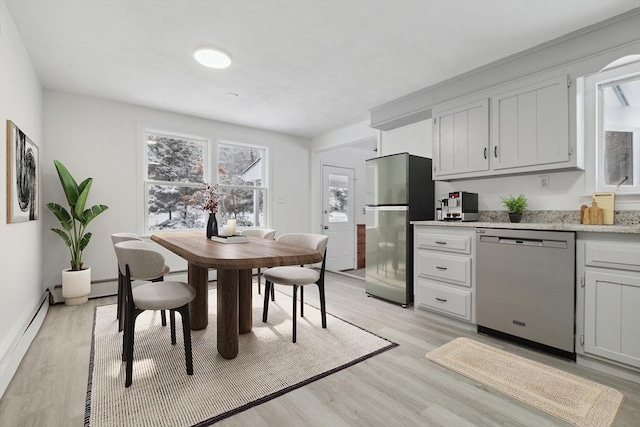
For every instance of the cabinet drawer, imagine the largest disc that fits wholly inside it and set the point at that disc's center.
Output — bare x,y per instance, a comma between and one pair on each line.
440,298
621,256
444,242
449,268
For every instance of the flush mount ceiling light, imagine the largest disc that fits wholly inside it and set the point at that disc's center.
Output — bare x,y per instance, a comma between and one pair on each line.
212,58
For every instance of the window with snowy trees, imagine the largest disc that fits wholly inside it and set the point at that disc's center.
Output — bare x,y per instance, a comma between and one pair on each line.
175,171
176,168
242,184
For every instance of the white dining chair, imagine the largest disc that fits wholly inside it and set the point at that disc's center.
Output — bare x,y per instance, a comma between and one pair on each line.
298,277
136,259
124,237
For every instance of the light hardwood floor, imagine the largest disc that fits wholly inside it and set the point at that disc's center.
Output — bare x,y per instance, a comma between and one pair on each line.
399,387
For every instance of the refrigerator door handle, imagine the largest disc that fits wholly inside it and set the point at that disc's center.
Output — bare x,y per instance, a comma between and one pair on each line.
370,208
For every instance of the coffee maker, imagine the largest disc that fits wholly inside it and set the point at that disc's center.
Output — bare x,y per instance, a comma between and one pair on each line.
458,206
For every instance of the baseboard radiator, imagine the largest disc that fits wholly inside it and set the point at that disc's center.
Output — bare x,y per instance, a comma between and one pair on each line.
10,362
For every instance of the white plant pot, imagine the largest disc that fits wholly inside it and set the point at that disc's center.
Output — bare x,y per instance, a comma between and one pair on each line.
76,286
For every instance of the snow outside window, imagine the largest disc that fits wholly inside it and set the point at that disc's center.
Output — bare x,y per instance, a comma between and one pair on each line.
241,175
175,169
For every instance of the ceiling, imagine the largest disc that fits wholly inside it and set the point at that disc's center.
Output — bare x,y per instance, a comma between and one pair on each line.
299,67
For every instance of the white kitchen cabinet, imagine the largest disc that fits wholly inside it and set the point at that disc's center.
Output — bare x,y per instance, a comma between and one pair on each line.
531,125
444,271
461,139
518,127
608,321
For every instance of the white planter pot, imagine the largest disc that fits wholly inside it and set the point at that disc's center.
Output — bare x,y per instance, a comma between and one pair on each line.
76,286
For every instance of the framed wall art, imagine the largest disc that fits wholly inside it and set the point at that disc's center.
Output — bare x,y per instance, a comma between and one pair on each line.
23,173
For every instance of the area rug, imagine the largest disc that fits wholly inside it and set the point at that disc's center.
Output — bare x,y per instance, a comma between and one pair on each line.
268,365
573,399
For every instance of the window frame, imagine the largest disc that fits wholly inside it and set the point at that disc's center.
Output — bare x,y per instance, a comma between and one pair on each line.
594,127
146,182
210,172
264,187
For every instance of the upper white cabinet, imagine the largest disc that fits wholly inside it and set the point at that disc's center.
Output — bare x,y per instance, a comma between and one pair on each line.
519,127
461,139
531,125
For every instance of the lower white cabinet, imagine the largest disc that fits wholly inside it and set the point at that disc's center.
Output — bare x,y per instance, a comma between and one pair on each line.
443,299
444,271
612,316
608,297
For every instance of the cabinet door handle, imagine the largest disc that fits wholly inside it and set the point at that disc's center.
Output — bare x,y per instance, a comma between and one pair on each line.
485,152
441,243
440,299
495,151
441,268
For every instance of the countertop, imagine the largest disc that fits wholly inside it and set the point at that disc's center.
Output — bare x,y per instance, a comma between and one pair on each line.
628,229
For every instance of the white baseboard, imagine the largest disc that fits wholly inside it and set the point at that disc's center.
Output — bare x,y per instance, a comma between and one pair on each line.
611,368
462,324
11,361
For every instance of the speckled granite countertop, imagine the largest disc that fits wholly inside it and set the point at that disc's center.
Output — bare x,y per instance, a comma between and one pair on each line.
624,222
629,229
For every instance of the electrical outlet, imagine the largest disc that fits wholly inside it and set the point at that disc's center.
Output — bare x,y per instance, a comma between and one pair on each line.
544,182
281,199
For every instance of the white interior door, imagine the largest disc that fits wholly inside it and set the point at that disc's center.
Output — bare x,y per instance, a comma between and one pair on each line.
338,217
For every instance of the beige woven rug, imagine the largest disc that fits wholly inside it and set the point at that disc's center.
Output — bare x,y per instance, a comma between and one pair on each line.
576,400
268,365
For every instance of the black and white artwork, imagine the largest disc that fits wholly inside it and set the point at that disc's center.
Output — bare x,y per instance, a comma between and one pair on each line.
23,176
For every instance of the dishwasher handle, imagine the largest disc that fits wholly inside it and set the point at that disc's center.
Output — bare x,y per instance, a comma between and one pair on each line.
560,244
521,242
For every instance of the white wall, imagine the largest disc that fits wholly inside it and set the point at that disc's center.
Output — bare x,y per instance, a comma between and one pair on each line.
21,288
356,132
100,138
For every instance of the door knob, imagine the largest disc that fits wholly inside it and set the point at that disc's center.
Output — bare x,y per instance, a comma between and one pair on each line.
326,227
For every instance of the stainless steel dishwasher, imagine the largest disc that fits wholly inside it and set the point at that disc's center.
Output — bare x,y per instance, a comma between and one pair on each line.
525,286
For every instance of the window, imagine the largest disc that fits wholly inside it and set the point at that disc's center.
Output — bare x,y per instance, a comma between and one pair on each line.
241,171
338,198
612,132
176,166
175,169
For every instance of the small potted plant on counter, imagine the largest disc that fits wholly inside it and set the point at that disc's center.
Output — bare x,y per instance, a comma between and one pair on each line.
515,205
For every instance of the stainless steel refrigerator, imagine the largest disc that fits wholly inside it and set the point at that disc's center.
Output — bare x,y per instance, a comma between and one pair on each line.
399,189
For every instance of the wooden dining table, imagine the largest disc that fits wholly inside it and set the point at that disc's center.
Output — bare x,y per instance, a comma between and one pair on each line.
234,263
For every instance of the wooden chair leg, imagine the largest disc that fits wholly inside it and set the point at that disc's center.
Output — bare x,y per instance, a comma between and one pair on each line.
258,281
130,322
124,337
186,333
163,318
120,301
265,308
295,303
163,314
323,308
172,319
